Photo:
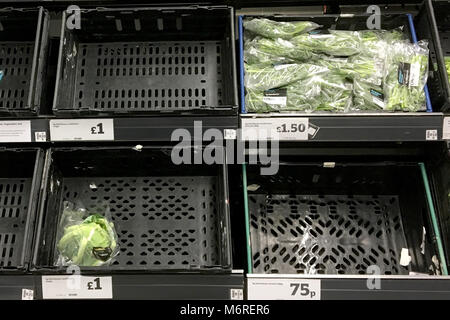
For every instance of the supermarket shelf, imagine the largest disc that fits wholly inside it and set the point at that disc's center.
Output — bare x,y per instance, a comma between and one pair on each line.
390,287
11,286
361,128
140,286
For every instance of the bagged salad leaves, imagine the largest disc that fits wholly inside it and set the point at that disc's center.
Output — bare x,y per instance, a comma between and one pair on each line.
262,77
276,29
405,76
85,238
332,70
331,42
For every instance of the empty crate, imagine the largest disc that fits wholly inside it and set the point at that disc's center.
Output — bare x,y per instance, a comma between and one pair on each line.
144,60
20,177
308,219
168,217
23,50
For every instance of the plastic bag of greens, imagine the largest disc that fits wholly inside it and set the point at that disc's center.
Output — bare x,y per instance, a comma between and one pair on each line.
85,238
367,96
331,42
276,29
406,75
263,77
322,92
274,51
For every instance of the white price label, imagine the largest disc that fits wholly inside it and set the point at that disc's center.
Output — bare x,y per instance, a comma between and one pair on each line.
236,294
76,287
431,135
414,74
15,131
27,294
283,289
82,130
446,129
275,129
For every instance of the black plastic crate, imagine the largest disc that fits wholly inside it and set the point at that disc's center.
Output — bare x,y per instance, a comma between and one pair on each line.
23,58
434,24
354,21
148,60
310,219
20,177
168,217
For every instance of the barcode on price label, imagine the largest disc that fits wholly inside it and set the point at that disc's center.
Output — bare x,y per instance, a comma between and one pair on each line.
40,136
76,287
431,135
82,130
236,294
27,294
283,289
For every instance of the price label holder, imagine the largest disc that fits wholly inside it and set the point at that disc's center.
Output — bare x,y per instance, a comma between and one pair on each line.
15,131
277,128
82,130
261,288
76,287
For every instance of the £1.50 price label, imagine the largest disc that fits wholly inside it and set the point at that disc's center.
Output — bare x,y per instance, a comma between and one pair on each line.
293,128
283,289
82,130
76,287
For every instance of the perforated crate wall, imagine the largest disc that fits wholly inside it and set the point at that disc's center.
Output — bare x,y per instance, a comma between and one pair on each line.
14,197
16,59
331,234
162,222
142,76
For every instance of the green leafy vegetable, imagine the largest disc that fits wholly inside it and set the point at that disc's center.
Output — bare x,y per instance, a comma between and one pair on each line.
406,75
268,77
332,42
447,66
276,29
91,243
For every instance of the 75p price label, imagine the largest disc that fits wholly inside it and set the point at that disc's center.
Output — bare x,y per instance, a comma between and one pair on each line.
283,289
82,130
76,287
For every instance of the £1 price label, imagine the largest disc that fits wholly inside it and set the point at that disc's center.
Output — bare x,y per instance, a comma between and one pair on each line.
76,287
82,130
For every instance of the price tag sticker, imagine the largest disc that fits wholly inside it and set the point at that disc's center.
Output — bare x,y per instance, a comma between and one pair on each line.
27,294
446,129
76,287
293,128
15,131
82,130
283,289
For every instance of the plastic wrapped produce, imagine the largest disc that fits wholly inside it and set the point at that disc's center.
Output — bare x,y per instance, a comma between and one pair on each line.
268,77
368,96
276,29
405,76
447,66
331,42
85,239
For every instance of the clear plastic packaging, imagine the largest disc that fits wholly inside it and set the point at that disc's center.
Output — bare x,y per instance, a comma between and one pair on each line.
331,42
406,74
85,238
276,29
259,77
319,93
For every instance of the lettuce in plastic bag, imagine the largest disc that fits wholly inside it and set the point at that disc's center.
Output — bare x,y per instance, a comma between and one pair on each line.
276,29
447,66
85,241
406,75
